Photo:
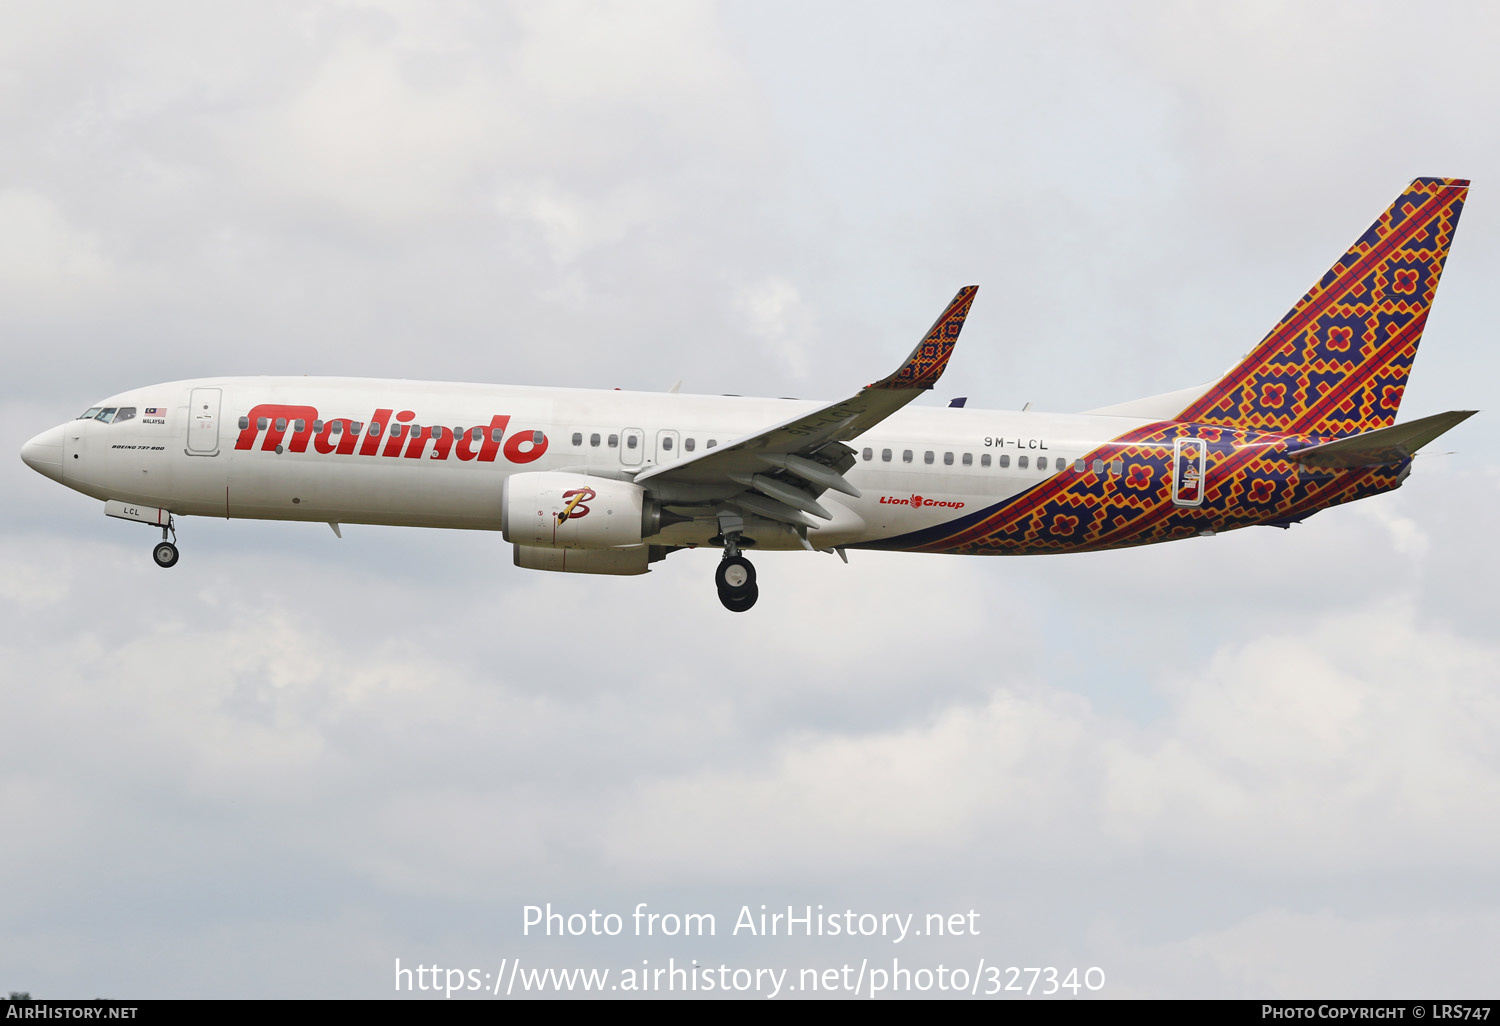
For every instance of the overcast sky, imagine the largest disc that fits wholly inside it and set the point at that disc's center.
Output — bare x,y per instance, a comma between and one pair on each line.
1262,764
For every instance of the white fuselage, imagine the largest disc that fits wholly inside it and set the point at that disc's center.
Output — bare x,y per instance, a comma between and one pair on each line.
194,457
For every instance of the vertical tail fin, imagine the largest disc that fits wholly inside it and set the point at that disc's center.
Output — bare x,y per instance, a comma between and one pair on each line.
1338,362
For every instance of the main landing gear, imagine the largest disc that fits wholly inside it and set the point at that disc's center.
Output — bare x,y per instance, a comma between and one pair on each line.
735,577
736,582
165,552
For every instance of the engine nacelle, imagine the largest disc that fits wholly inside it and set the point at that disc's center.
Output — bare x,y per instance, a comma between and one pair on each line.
559,509
623,561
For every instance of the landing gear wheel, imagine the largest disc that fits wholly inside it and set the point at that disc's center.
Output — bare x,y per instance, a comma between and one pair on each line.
737,601
735,574
165,554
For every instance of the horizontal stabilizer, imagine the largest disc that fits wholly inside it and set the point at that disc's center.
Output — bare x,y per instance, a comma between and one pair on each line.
1383,445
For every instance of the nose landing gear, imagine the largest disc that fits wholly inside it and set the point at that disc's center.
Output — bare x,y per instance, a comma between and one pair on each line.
165,552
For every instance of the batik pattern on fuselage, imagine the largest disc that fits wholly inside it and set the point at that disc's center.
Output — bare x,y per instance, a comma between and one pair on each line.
1251,477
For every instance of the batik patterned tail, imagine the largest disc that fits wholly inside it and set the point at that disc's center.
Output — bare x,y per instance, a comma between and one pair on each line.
1338,362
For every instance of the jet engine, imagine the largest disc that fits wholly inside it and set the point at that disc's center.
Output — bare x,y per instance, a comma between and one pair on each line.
623,561
559,509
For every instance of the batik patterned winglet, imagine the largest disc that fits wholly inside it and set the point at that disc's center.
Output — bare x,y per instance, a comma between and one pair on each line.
926,363
1338,361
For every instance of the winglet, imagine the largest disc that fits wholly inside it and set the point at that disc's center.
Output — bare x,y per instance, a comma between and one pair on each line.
926,362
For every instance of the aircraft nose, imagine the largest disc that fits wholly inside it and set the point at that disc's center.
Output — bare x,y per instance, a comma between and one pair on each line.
44,453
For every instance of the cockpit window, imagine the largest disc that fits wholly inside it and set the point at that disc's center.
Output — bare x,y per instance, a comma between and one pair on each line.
126,413
90,413
107,414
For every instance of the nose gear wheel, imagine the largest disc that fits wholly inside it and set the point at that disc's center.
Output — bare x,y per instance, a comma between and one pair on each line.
165,554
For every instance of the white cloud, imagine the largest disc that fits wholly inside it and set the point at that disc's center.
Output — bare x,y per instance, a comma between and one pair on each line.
366,136
1358,743
1286,955
48,265
776,314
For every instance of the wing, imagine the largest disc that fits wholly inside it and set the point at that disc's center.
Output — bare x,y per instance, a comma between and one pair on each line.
780,471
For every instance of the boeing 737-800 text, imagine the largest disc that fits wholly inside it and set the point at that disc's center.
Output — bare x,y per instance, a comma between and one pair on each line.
607,482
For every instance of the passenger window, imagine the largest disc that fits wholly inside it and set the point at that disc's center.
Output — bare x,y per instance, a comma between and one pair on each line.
712,442
905,455
885,455
1041,463
614,440
537,438
318,427
927,456
594,439
630,442
338,428
495,434
688,444
577,439
1021,462
1079,465
1098,466
968,459
1005,461
1117,467
984,460
666,443
377,428
126,413
868,455
280,423
244,423
299,425
947,459
261,423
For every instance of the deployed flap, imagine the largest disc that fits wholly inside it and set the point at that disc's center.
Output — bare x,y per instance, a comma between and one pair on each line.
806,433
1383,445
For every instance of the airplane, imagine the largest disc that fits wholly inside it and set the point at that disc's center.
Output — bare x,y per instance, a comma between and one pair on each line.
609,482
